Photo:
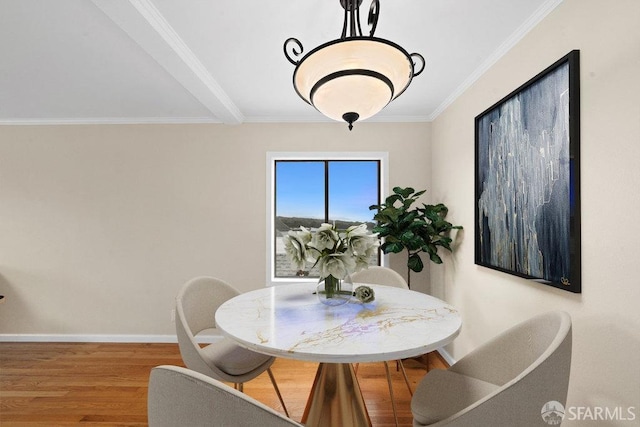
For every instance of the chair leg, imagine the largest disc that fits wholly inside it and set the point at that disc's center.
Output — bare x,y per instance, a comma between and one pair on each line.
275,386
393,400
404,374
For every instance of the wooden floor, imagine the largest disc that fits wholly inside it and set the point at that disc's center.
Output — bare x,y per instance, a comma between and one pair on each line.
62,384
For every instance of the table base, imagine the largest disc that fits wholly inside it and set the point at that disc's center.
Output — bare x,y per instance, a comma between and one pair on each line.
336,399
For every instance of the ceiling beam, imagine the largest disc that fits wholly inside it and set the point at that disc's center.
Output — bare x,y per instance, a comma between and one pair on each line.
144,23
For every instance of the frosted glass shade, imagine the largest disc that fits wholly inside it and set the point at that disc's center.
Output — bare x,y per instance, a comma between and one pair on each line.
353,76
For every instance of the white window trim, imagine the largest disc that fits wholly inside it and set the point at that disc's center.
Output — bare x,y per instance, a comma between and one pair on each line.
272,156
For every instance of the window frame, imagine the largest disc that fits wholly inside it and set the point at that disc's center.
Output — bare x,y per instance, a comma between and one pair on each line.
272,157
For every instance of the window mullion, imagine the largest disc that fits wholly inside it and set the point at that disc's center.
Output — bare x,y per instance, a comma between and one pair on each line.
326,191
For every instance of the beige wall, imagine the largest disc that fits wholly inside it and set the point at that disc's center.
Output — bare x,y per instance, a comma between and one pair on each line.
100,225
606,316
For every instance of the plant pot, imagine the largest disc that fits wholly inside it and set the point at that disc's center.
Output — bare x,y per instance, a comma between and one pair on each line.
333,291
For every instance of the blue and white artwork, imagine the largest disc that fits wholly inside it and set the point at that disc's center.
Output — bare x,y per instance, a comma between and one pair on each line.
525,183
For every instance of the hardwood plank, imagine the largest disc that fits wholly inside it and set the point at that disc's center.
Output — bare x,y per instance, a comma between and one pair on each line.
105,384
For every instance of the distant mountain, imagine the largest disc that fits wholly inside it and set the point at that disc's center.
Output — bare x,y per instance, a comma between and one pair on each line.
284,224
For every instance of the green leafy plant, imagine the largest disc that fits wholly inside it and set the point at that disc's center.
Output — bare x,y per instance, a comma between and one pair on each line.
414,229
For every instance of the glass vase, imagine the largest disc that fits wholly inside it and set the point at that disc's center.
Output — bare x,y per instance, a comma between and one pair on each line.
334,291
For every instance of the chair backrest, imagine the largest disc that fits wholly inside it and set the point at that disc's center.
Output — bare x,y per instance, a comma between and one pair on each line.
182,397
380,276
196,305
530,363
517,351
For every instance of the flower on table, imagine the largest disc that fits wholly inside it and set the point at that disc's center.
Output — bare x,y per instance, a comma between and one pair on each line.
364,294
324,238
334,251
295,246
337,265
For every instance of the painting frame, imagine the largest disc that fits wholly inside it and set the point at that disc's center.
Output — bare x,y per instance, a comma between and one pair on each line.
527,179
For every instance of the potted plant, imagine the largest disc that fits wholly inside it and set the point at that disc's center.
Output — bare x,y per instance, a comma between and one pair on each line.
414,229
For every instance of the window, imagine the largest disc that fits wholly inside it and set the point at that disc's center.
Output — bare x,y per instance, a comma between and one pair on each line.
308,189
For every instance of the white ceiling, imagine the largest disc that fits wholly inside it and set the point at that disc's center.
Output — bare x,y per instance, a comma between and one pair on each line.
222,61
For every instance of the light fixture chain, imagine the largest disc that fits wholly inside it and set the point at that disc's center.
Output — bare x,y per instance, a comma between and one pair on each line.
346,20
353,8
358,20
351,18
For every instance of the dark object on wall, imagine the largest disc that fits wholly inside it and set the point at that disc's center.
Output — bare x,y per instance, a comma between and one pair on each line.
528,179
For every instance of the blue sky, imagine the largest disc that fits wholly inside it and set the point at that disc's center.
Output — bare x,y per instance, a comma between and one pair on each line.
352,189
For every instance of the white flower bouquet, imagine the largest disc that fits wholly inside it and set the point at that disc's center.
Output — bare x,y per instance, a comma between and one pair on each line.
337,253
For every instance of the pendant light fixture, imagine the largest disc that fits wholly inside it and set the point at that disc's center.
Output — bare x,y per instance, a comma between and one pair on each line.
353,77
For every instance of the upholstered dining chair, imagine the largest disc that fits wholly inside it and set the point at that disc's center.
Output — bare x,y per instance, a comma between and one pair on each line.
385,276
512,380
223,360
181,397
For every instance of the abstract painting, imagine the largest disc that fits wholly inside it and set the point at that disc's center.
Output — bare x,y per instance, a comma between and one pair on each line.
527,186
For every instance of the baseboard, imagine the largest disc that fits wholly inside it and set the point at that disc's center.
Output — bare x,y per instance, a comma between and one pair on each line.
170,339
446,356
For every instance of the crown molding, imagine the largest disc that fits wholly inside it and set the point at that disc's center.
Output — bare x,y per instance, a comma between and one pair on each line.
502,50
107,121
323,119
196,120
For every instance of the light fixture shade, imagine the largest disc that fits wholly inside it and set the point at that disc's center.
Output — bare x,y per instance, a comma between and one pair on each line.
353,76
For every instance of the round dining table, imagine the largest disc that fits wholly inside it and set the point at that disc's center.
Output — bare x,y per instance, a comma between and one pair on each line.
289,321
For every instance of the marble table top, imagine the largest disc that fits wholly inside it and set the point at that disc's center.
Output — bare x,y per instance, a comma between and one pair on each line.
289,321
